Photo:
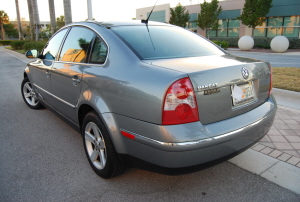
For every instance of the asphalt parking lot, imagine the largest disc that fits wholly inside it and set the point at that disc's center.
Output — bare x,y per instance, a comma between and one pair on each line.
42,159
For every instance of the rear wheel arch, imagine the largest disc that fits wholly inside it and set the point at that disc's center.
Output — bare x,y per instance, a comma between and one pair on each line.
82,112
85,109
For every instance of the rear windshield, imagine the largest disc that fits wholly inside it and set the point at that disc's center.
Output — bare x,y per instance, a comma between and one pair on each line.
160,42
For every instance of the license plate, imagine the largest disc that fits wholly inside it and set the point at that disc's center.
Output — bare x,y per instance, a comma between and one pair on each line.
242,94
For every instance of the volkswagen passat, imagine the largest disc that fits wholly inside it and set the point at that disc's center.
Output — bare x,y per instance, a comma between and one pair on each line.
151,93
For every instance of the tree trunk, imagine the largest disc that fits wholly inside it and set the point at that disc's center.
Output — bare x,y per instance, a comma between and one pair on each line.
52,16
19,21
31,18
2,32
68,11
36,19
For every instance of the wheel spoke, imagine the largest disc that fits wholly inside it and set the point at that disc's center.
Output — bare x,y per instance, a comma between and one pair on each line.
102,157
28,87
89,137
96,131
94,155
27,95
33,100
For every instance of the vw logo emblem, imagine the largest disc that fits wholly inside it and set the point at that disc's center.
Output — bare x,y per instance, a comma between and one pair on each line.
245,73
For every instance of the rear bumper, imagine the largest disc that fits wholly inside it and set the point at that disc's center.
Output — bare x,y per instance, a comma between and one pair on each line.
193,144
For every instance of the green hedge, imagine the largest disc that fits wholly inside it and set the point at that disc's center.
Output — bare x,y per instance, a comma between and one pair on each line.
5,42
28,45
34,45
263,42
222,44
17,45
232,42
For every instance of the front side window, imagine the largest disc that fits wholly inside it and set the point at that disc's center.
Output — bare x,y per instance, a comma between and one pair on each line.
99,52
157,42
51,49
76,45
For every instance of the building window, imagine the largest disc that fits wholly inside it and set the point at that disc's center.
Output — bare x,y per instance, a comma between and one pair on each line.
192,24
158,16
227,28
288,26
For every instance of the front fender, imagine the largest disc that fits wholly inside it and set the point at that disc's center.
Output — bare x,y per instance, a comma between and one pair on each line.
26,72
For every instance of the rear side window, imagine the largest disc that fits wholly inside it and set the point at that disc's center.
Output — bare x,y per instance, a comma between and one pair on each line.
162,42
99,52
76,45
51,50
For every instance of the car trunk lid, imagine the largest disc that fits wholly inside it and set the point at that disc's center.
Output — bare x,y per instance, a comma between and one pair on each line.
225,85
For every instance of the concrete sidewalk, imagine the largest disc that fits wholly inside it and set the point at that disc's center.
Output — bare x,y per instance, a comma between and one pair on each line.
277,156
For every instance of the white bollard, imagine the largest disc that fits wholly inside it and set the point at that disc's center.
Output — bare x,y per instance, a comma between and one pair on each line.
279,44
246,43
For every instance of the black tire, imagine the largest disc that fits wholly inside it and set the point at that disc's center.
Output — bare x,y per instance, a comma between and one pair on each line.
29,96
99,148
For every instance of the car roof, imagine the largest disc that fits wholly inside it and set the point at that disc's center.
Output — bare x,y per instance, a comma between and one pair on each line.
109,24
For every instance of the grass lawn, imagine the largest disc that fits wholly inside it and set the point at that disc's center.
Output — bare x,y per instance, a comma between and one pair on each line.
19,51
287,78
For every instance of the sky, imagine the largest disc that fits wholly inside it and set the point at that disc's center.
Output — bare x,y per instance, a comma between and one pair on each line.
102,9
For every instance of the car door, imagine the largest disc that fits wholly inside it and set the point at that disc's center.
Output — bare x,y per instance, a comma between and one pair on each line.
40,70
66,73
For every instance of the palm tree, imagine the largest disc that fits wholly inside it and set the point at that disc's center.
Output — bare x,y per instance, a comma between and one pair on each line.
60,21
52,16
68,11
4,19
19,20
36,18
30,11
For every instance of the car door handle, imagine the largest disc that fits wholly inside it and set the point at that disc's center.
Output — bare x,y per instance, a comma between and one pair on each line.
75,80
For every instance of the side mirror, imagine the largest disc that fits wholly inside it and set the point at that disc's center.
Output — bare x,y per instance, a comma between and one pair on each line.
32,53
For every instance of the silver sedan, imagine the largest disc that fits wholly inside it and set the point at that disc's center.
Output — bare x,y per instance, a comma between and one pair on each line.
150,95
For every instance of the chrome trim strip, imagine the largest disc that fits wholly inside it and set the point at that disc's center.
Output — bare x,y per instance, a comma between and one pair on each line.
167,143
73,106
181,144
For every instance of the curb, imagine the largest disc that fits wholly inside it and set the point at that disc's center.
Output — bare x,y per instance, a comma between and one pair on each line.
17,55
287,98
274,170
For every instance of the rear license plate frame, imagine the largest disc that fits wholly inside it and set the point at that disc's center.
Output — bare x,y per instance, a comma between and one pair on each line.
243,94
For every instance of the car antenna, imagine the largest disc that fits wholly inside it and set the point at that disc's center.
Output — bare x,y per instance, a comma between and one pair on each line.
146,21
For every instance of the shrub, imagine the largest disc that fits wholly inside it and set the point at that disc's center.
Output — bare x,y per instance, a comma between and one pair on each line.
17,45
5,42
294,43
222,44
34,45
232,41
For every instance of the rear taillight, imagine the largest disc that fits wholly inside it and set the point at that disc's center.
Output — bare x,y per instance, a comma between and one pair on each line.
180,103
270,87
